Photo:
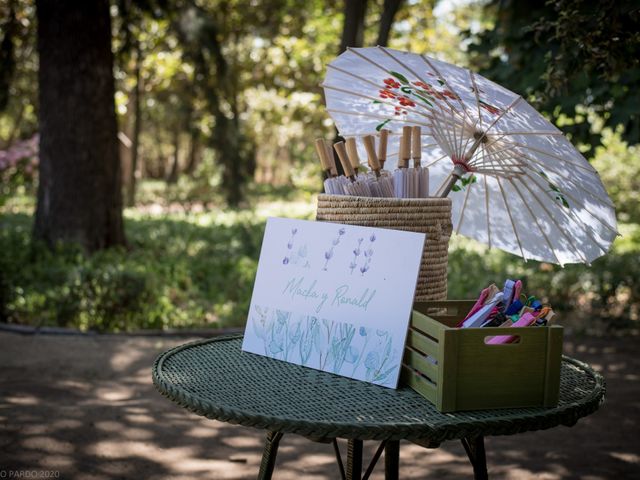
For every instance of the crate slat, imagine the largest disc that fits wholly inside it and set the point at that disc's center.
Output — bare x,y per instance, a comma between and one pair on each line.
421,342
421,363
419,384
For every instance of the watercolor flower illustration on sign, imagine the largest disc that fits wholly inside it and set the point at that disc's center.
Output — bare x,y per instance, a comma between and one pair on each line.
328,254
356,254
296,256
339,347
368,254
287,258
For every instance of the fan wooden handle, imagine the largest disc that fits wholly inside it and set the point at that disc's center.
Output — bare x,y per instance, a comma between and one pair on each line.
330,159
370,147
352,152
344,159
382,147
416,147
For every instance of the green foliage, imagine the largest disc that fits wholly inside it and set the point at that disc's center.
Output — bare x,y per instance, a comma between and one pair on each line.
566,57
619,168
18,169
180,269
177,274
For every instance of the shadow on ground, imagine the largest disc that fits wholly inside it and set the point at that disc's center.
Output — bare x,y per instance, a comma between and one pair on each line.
85,407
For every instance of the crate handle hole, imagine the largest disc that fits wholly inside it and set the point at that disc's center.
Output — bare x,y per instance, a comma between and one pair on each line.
498,340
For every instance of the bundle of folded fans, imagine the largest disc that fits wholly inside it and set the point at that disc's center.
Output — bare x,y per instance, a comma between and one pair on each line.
507,308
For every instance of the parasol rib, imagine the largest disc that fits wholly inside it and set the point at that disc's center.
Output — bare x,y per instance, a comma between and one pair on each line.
549,244
544,207
475,91
571,215
513,225
533,132
427,60
504,112
573,199
477,95
586,167
486,206
436,161
568,180
576,219
464,207
443,185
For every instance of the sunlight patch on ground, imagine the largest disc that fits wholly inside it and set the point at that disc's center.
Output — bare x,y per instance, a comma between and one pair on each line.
626,457
22,399
49,444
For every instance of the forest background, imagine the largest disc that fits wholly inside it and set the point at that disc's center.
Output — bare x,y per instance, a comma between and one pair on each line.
197,118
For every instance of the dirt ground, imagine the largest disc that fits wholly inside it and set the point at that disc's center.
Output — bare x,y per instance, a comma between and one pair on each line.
84,407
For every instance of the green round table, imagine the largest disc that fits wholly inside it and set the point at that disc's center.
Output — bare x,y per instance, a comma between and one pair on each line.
214,378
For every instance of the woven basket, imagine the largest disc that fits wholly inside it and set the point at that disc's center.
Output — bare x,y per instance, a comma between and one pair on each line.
425,215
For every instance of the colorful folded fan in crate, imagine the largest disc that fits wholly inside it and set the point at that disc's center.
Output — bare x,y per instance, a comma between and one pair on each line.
469,356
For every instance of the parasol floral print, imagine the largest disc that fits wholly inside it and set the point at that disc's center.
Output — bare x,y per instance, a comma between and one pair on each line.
555,190
404,94
338,347
462,183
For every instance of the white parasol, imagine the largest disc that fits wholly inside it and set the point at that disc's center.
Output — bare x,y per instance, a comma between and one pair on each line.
516,182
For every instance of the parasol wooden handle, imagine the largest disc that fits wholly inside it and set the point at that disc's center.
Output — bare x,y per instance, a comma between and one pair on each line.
330,159
370,147
344,160
322,155
382,147
352,152
405,147
416,147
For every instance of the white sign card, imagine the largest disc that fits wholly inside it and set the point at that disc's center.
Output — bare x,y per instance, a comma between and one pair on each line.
334,297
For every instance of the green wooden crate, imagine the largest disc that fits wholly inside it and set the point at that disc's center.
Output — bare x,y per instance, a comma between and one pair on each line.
456,370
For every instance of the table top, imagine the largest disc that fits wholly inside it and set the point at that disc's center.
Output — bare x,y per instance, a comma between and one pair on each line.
214,378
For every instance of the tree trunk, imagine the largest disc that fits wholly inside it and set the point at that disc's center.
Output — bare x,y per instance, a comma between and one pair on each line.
79,195
173,175
353,29
389,11
135,137
194,152
7,54
352,36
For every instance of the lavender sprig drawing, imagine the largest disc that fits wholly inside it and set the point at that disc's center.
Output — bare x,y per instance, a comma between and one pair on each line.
287,257
328,255
356,254
368,254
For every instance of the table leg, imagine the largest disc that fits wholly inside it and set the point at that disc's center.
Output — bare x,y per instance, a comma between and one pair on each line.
336,450
474,447
269,455
392,460
354,460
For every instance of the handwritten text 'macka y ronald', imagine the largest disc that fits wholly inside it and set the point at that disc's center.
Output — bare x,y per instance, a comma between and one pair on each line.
299,288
